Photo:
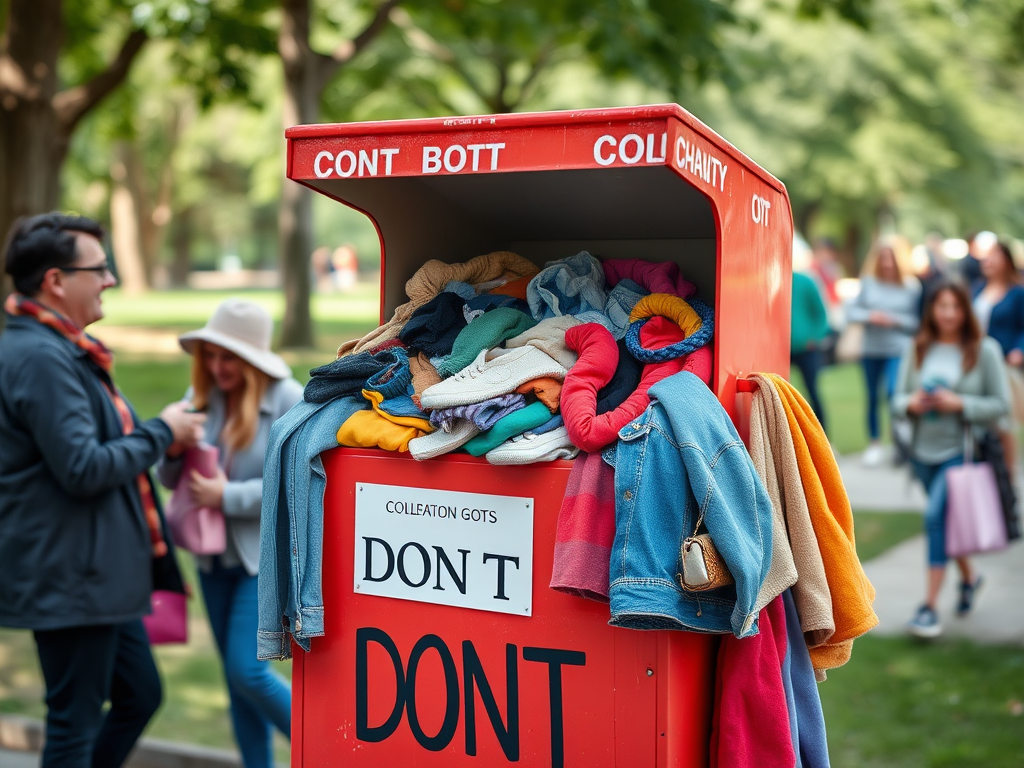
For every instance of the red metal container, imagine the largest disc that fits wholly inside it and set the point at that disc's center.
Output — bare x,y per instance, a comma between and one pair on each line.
408,681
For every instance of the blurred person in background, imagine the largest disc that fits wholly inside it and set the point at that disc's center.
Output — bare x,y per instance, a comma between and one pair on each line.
978,246
82,537
243,388
951,376
809,329
999,307
934,269
887,307
825,266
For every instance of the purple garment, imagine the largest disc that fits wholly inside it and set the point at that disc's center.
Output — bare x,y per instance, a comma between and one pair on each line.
484,414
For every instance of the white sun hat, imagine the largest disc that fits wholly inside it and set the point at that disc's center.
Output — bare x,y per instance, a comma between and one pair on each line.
244,328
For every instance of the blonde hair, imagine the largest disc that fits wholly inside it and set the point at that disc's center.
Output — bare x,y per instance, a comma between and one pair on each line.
240,427
902,256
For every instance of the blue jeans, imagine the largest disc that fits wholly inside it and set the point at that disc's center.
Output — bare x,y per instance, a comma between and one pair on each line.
260,698
84,667
810,362
879,370
933,478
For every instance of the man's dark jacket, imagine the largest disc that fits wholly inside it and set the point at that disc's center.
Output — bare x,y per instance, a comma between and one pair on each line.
74,544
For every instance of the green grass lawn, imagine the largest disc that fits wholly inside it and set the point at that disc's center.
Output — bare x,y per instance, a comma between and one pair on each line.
878,532
905,704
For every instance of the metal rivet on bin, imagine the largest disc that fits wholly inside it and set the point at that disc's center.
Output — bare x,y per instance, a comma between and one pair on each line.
650,672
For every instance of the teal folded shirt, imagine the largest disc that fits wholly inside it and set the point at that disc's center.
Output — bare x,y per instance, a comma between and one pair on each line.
508,427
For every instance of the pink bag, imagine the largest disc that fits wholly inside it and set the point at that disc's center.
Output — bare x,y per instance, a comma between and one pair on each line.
168,623
974,512
199,530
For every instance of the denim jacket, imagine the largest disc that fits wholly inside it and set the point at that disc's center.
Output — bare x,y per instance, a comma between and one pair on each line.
292,525
683,457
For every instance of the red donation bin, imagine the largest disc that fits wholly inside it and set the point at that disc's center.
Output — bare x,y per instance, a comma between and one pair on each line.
444,645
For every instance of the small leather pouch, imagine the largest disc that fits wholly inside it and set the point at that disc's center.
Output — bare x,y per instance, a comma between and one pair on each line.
702,566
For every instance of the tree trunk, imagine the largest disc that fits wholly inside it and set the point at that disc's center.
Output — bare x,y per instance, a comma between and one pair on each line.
36,121
124,235
30,159
181,239
850,252
295,216
306,74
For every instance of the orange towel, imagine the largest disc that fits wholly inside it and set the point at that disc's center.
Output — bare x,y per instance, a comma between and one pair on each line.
832,519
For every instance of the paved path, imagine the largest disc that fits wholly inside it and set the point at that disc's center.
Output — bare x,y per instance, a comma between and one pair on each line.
880,489
9,759
899,574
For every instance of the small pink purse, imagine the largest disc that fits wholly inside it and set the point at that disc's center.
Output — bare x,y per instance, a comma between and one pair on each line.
200,530
168,623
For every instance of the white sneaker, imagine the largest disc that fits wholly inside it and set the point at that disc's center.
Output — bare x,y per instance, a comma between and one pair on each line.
483,379
874,456
441,442
528,448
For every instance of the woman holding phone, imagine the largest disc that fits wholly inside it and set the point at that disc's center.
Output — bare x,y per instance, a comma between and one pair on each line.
243,388
951,380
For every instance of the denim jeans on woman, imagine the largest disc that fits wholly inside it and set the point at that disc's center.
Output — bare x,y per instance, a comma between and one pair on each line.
933,478
260,698
877,371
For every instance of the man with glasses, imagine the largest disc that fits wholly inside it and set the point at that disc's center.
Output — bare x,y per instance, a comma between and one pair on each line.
82,539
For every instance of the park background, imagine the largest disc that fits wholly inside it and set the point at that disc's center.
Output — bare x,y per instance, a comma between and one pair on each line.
165,121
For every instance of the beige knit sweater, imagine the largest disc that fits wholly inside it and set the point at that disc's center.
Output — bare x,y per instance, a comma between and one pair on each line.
782,574
430,280
771,442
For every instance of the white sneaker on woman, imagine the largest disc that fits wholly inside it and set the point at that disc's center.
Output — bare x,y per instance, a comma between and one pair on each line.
874,455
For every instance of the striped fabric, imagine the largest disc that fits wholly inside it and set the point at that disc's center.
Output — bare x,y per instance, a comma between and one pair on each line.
585,530
17,304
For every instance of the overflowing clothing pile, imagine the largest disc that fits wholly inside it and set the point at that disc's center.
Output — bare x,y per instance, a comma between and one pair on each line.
607,362
496,359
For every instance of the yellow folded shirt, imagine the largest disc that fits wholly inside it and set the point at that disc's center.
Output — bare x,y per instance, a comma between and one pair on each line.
376,398
368,429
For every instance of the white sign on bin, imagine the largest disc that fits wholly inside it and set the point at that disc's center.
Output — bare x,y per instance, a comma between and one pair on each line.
470,550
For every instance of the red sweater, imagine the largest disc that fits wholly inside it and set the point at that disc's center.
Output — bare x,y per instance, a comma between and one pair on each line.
599,355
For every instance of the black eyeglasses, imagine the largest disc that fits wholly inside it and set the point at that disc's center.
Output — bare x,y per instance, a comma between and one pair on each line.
98,269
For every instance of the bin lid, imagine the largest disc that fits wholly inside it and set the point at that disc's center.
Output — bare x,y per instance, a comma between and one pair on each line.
452,188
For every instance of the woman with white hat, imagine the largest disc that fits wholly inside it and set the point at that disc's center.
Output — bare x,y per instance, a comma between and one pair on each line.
243,388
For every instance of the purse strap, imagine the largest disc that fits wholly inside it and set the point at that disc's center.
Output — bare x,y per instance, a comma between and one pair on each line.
700,519
968,444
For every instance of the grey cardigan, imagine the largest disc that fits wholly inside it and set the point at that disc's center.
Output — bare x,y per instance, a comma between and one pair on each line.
243,493
900,301
985,391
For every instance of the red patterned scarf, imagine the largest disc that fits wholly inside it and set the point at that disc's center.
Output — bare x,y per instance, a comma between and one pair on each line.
17,304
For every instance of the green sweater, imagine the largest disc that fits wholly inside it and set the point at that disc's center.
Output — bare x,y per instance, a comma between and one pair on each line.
810,321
